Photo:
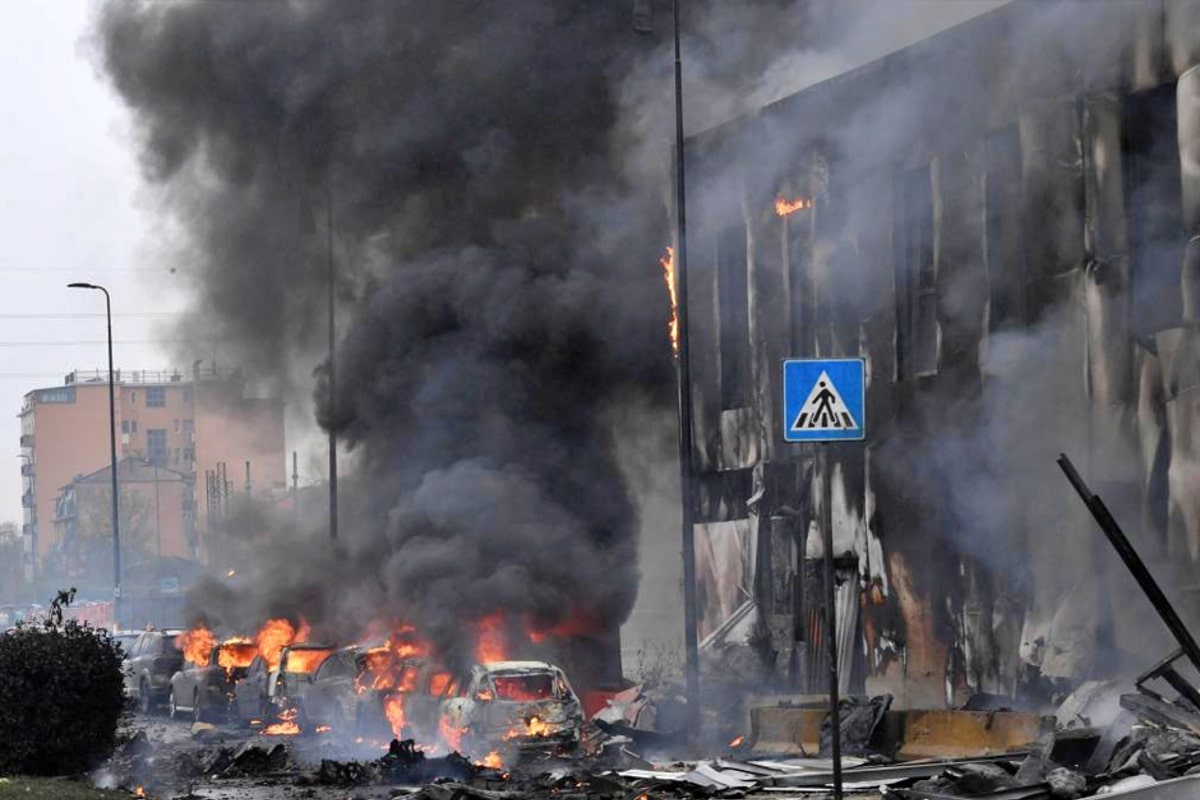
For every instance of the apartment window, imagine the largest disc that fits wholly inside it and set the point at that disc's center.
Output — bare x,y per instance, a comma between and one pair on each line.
156,396
156,445
1005,255
187,396
65,394
1153,199
916,277
124,426
733,316
189,454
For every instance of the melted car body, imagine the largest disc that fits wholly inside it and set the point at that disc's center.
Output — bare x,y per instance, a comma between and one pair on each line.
519,704
205,689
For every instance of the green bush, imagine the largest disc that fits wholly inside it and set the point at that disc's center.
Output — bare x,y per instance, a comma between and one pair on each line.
60,698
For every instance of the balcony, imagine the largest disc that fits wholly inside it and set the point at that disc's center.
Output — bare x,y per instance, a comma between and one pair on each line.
27,440
27,469
27,500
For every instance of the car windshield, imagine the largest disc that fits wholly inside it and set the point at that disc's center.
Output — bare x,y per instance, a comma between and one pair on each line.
305,662
233,655
529,686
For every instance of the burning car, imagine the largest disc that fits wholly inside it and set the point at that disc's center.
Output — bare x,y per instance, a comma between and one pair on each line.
149,664
381,691
265,692
526,704
204,688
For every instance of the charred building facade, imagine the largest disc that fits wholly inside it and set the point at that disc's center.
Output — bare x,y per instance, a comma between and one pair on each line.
999,219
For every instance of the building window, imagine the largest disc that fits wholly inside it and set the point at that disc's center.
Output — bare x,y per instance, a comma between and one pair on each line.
156,396
800,288
1155,209
124,426
189,454
65,394
187,396
133,397
1005,254
733,316
916,277
156,445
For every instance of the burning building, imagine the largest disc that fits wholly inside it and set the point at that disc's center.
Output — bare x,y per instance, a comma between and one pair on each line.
1000,219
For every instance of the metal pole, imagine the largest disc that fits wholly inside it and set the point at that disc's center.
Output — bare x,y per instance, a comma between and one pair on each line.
690,640
157,517
835,721
112,443
1133,562
333,475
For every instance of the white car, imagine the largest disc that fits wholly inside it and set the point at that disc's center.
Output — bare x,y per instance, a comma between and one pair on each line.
521,704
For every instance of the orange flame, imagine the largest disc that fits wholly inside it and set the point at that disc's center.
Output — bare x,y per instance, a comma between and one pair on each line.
236,653
305,662
271,638
439,682
451,735
667,262
786,208
196,644
490,644
393,709
737,742
287,725
492,760
577,624
534,728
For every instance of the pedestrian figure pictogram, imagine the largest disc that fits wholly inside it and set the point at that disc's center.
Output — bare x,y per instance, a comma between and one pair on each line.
824,399
824,409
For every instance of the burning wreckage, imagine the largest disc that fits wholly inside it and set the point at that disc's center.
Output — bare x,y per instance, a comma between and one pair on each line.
504,728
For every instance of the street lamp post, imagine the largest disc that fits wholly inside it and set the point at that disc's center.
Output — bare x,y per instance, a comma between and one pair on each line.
112,443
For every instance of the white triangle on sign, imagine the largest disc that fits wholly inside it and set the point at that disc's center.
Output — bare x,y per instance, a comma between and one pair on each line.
824,410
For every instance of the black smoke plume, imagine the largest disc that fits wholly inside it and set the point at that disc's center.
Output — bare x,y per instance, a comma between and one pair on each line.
496,275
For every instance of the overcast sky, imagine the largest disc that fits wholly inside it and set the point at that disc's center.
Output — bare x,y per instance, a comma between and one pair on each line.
69,194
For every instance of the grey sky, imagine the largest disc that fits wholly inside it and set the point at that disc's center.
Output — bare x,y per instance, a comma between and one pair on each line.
68,191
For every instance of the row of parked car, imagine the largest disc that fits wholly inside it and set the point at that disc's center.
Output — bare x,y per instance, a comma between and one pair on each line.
518,703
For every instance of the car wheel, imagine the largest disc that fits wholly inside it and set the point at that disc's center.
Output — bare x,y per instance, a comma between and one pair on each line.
172,709
145,701
197,711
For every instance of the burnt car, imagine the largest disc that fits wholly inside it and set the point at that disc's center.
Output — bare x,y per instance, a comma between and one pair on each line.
370,692
205,690
149,664
265,693
521,704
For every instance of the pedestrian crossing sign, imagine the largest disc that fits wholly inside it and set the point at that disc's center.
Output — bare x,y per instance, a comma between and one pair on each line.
824,400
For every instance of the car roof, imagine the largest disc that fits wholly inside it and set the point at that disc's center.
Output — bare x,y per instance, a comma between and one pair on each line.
517,666
309,646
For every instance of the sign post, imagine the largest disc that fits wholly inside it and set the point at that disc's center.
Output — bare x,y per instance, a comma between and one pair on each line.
824,400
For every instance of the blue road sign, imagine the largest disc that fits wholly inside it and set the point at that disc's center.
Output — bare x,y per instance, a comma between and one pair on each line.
824,400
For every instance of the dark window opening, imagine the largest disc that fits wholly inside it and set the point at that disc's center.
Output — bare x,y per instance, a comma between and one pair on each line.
800,285
1005,255
156,396
1153,199
156,446
916,279
733,320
